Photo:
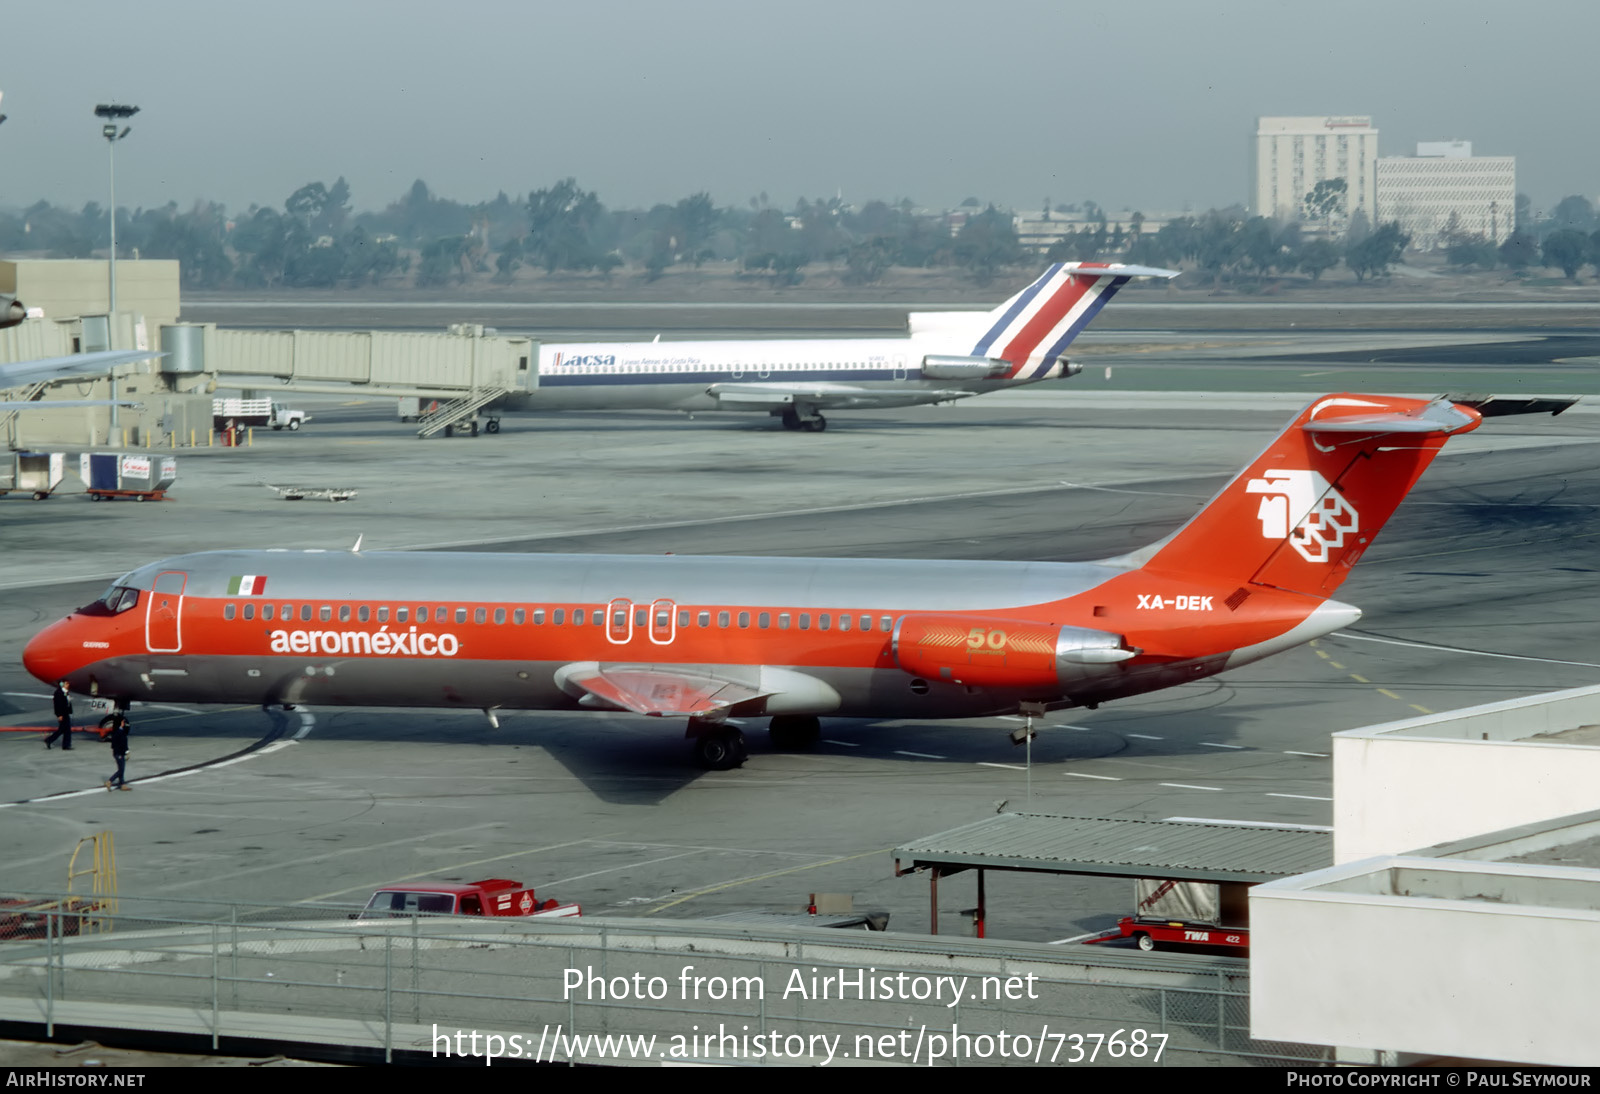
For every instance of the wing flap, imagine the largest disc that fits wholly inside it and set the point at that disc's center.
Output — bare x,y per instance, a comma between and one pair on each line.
661,691
824,396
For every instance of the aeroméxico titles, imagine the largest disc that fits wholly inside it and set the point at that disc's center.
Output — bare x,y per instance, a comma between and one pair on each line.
708,639
946,356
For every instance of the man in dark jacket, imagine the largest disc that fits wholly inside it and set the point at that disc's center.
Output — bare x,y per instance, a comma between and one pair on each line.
63,719
119,749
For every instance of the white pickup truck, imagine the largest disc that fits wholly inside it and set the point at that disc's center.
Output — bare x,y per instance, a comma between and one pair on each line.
242,412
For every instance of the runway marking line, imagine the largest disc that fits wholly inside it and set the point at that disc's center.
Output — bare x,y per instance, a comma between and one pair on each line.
762,877
1188,786
1213,744
919,755
1318,755
1008,767
1302,797
213,879
1251,824
1144,736
449,867
1086,775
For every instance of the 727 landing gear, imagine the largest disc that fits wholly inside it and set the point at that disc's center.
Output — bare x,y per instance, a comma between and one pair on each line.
812,423
717,745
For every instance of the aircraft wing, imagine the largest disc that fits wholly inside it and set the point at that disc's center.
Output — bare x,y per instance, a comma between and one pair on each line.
55,404
18,373
663,691
825,396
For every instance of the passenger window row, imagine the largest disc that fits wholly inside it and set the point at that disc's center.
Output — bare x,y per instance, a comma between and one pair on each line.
423,613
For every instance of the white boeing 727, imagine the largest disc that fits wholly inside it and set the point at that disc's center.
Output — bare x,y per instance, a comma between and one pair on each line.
946,356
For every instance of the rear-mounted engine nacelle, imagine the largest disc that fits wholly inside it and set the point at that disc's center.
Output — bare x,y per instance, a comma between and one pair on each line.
981,651
936,367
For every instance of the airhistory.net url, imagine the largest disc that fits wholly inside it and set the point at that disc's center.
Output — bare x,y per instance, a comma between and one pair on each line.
916,1046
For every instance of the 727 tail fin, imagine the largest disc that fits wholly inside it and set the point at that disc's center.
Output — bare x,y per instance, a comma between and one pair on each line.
1301,514
1033,329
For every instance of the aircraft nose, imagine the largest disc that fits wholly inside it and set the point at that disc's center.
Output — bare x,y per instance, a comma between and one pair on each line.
45,655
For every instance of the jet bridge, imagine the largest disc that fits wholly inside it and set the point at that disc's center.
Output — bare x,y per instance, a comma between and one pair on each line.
466,358
468,368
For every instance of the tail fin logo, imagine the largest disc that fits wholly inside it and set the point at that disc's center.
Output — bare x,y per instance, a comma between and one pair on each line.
1302,507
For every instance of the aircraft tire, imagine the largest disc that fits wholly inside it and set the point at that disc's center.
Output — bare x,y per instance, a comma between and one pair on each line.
814,425
720,750
791,420
492,426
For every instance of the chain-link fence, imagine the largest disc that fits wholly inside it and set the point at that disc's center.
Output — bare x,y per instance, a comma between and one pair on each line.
599,990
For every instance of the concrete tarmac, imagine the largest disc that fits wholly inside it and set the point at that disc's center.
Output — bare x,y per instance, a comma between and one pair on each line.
1489,558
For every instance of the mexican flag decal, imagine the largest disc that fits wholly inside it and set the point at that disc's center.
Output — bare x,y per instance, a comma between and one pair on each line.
248,585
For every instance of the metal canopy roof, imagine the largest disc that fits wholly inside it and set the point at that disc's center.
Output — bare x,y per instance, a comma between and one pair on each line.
1176,850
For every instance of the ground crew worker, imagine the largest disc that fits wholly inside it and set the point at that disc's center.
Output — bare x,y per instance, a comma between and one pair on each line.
63,707
119,749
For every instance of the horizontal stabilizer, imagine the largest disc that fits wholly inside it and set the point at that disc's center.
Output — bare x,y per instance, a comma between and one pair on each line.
1118,269
1497,406
1439,416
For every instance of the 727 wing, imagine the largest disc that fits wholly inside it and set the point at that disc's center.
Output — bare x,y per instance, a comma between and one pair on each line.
825,396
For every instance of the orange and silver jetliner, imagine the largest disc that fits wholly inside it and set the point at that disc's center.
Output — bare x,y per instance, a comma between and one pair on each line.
709,639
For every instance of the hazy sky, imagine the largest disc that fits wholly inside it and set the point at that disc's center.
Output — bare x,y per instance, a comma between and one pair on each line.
1146,104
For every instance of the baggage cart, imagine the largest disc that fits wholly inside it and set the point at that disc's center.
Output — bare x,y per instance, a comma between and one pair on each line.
36,473
111,475
300,493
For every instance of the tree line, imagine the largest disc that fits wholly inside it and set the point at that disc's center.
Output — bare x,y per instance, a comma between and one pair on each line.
316,240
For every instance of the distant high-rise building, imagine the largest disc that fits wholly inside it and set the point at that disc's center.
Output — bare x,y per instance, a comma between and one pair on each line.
1444,188
1292,155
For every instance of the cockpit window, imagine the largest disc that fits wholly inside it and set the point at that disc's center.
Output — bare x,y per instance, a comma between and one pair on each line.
116,600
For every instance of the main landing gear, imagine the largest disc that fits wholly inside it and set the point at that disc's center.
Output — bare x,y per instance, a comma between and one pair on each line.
720,747
810,423
717,745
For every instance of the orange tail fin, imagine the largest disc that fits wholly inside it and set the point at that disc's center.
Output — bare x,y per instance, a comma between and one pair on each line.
1307,508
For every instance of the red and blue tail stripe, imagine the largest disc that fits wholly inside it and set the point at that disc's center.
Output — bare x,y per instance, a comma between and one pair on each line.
1033,329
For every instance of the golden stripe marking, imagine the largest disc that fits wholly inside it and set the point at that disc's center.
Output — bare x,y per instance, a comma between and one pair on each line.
1390,694
1424,710
1359,678
1336,664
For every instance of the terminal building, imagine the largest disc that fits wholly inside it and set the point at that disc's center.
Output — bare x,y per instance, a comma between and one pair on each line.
1461,918
463,368
1293,154
1444,189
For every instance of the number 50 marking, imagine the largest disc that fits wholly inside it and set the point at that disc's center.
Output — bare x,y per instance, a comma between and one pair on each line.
978,639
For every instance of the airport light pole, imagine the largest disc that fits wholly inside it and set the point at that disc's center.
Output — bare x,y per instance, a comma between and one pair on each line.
112,114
